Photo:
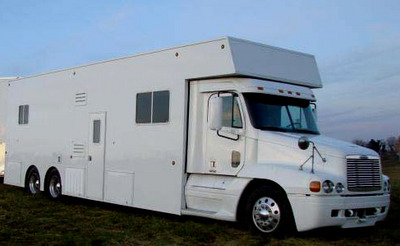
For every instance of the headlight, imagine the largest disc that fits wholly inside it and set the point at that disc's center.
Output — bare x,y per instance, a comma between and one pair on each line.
339,187
328,186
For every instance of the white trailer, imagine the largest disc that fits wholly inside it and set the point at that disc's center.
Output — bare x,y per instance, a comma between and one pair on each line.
3,106
211,129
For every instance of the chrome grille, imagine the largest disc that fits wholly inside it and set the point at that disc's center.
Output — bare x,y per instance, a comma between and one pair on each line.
363,174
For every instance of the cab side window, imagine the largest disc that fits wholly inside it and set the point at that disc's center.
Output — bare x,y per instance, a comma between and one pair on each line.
231,112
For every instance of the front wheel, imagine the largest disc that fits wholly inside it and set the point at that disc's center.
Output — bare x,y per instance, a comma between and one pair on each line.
54,184
268,212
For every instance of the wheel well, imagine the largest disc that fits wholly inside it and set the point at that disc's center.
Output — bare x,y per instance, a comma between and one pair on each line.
32,167
255,183
46,179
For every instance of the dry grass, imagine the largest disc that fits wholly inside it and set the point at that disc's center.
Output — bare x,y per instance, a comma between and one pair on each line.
36,220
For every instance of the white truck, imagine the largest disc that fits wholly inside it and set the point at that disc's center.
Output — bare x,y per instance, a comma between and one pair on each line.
222,129
3,100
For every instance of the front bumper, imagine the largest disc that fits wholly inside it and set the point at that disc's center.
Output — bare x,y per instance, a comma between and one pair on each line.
312,212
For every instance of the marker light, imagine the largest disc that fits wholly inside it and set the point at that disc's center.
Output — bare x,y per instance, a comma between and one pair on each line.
339,187
386,186
315,186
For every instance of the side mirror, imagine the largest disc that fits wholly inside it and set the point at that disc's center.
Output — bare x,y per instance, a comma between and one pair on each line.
303,143
215,113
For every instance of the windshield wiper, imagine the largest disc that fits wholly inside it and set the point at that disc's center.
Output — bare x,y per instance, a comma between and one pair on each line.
306,131
273,128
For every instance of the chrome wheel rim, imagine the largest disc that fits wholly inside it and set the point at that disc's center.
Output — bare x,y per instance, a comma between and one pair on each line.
266,214
34,183
55,187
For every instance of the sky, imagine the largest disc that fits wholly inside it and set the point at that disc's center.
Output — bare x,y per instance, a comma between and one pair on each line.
356,44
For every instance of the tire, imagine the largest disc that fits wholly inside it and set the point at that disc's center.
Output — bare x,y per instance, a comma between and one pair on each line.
32,183
53,187
268,212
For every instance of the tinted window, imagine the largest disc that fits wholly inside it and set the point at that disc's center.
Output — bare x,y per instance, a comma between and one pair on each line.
284,114
143,107
26,114
96,131
227,111
23,114
160,106
236,116
231,112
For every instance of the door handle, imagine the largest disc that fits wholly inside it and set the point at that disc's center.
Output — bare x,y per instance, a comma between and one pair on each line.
90,158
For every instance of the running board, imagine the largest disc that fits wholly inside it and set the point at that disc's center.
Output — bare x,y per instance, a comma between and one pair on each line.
197,212
207,214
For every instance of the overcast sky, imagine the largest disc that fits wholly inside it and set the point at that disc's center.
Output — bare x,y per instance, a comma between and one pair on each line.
356,44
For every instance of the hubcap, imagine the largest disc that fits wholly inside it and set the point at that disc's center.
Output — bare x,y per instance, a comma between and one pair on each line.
266,214
34,183
55,187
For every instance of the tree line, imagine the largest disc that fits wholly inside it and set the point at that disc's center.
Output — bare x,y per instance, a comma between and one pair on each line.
391,145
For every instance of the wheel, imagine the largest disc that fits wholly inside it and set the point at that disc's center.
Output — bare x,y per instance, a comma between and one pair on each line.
268,212
54,184
33,182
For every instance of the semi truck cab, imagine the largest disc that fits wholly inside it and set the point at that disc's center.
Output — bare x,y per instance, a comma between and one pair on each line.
254,149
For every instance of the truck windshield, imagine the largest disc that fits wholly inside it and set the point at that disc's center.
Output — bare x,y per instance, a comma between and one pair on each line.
277,113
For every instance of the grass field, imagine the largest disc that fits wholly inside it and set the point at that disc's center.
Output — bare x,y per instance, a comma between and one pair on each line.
36,220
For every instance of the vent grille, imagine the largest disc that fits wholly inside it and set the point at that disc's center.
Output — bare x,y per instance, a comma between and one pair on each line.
363,174
78,150
80,99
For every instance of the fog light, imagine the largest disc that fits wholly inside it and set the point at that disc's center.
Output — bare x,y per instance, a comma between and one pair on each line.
349,213
328,186
339,187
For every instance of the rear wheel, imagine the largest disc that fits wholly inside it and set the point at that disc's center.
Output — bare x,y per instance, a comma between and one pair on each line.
33,182
54,184
268,212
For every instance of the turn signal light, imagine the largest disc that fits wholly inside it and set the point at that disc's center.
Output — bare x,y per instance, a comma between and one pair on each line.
315,186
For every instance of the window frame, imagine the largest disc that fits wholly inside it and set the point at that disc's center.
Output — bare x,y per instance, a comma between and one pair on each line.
23,114
96,135
235,99
152,108
137,106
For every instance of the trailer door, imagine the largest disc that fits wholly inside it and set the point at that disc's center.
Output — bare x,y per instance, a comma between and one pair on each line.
96,151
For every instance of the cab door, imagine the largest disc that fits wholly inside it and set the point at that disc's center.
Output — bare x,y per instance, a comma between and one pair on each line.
225,147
